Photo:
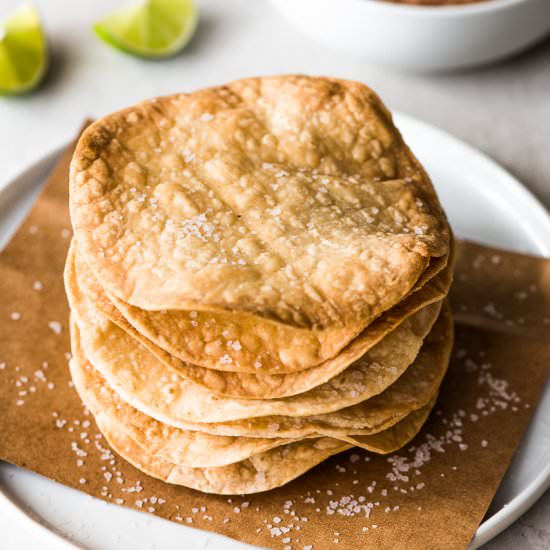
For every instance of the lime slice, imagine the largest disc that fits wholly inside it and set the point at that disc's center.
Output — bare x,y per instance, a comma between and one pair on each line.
23,51
152,29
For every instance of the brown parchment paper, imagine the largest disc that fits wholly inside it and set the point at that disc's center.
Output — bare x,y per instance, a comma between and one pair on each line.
431,495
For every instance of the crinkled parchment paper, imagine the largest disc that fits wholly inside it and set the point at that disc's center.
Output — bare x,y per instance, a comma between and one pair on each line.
432,494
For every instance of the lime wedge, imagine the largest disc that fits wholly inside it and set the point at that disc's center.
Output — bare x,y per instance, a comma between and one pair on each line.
153,28
23,51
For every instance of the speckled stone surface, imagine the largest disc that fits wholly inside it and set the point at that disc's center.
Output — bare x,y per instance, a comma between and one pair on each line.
531,531
504,110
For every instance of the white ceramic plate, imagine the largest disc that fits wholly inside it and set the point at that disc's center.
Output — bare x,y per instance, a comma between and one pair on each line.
483,202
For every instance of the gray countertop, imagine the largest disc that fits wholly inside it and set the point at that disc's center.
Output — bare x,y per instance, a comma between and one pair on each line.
531,531
503,110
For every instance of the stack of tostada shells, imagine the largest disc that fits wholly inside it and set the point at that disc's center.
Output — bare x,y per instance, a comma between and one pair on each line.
257,281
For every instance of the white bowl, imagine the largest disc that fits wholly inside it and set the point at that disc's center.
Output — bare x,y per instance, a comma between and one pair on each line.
420,37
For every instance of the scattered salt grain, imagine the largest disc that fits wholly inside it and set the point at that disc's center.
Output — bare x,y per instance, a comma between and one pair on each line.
56,327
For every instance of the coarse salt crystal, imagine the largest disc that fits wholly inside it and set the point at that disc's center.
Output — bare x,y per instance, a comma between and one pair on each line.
56,327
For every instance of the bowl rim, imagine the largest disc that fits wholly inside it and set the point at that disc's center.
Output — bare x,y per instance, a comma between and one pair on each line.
443,11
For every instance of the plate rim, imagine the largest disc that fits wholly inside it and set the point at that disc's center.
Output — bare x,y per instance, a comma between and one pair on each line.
490,527
40,529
